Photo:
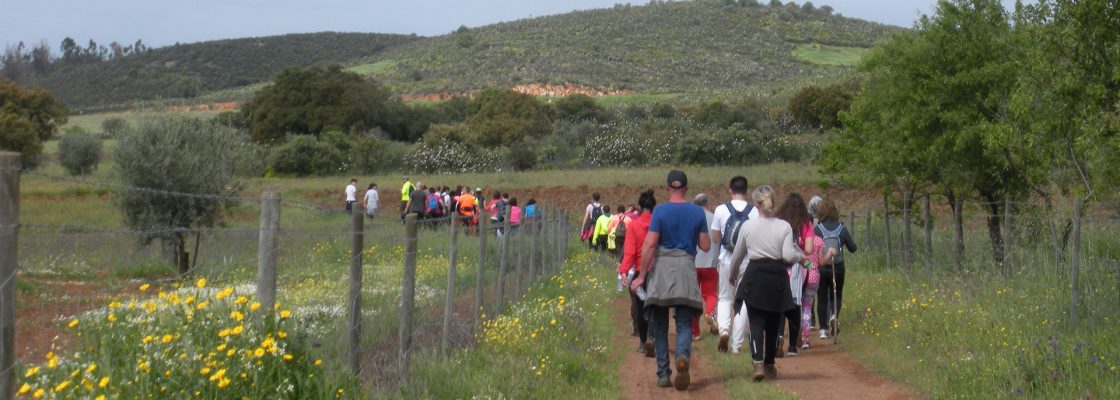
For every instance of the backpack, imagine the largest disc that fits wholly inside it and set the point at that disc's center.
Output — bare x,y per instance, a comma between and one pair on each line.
596,211
731,227
620,229
433,202
832,241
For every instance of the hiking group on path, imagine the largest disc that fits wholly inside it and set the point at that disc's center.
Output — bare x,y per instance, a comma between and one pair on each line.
740,271
435,205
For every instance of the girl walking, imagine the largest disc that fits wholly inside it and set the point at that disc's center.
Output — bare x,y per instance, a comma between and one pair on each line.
836,238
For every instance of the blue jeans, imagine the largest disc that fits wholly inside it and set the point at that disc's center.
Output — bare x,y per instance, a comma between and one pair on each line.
659,328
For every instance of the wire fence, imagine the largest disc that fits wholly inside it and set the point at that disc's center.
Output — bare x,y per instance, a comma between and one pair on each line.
1071,243
371,293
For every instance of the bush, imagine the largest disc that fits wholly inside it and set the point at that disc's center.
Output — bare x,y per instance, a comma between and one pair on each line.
728,146
79,153
18,134
633,143
114,127
304,155
580,107
370,154
523,156
500,117
451,158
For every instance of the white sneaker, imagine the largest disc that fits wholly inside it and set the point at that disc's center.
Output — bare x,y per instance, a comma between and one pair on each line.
824,334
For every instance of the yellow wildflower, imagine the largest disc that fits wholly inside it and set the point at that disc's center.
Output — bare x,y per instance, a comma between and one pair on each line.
202,305
287,357
241,300
237,330
237,316
318,362
255,306
285,314
31,372
144,287
62,386
99,397
112,317
91,368
38,393
258,352
201,283
166,339
23,389
73,323
103,382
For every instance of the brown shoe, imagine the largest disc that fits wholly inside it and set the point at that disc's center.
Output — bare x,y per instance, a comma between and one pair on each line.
649,350
758,374
713,327
770,371
682,380
781,345
723,339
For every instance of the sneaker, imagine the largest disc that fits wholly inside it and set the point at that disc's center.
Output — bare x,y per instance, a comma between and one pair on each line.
682,380
792,352
805,344
824,334
713,327
641,347
649,350
832,328
770,371
695,338
723,339
663,381
759,372
781,345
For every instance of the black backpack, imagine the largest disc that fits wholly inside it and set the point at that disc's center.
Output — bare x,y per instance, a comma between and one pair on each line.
596,212
733,224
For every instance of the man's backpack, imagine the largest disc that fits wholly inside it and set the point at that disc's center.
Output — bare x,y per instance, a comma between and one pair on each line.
596,211
620,229
433,202
832,241
733,224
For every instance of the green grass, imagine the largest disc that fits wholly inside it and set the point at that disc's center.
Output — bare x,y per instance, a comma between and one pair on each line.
829,55
92,122
978,334
637,98
553,344
373,68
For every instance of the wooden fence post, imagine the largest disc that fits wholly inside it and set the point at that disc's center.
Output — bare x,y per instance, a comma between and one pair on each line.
268,250
958,235
534,234
868,238
1007,235
907,239
9,262
408,296
502,269
357,246
851,224
929,235
887,229
1075,266
480,276
449,304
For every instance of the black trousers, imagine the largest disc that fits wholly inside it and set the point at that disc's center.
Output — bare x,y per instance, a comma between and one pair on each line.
764,328
793,333
825,308
641,325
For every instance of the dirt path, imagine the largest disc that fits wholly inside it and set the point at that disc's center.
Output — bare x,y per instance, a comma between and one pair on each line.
822,372
638,375
826,371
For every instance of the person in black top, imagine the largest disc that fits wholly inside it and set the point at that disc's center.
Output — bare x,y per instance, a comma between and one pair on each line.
837,236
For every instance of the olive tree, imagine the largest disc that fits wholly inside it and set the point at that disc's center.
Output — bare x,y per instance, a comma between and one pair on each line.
195,160
79,153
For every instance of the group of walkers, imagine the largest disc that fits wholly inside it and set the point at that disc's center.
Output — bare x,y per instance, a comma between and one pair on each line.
738,270
435,205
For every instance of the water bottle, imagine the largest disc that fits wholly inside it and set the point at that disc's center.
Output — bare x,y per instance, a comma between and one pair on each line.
641,293
619,282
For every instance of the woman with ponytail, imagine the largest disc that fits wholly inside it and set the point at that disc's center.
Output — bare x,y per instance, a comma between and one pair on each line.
767,243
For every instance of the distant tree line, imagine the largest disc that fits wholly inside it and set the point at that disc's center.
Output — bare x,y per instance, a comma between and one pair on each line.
19,60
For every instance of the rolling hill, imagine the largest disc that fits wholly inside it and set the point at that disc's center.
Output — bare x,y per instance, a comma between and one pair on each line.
189,70
664,49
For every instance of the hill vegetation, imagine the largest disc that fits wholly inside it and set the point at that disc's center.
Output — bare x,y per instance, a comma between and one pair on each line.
189,70
674,47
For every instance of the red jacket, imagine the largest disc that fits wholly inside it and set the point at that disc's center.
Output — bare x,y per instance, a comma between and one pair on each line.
636,231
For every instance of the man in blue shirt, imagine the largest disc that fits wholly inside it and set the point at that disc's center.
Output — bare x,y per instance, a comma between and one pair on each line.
676,230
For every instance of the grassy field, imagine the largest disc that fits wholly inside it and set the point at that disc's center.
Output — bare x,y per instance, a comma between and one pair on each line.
92,122
829,55
373,68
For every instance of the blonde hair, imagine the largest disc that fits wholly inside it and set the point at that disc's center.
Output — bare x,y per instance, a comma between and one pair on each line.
763,197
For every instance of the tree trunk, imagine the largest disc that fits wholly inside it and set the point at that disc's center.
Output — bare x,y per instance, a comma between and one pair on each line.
995,221
183,257
958,228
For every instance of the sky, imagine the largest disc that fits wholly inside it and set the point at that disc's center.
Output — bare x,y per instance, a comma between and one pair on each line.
163,22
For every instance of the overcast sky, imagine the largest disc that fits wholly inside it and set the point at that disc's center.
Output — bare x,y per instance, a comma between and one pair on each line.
164,22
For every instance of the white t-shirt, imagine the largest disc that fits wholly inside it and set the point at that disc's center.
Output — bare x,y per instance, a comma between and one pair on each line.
371,199
351,190
721,215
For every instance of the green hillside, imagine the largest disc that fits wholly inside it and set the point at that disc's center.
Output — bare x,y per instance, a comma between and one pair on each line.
189,70
698,46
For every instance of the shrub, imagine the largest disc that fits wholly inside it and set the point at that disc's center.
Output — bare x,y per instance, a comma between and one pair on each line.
500,117
633,143
580,107
451,158
304,155
18,134
114,127
79,153
523,156
370,154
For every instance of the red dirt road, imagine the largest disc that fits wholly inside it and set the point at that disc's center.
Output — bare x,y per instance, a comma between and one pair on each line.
822,372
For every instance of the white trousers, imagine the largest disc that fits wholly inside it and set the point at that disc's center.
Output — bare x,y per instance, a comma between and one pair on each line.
737,328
